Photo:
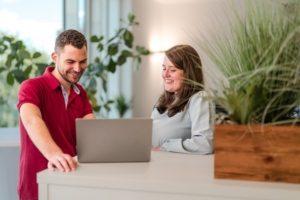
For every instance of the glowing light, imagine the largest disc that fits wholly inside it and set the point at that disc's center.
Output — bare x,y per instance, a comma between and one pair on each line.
160,43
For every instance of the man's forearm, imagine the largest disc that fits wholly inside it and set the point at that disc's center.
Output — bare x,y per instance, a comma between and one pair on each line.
37,130
40,136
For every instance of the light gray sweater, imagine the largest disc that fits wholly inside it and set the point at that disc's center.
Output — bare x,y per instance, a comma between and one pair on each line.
189,131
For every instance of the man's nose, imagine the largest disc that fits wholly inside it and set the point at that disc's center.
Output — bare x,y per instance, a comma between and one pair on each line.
77,67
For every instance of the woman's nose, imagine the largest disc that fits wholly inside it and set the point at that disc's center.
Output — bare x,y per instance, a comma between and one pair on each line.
166,73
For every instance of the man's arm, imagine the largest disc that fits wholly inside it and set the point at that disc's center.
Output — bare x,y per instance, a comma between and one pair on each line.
39,134
89,116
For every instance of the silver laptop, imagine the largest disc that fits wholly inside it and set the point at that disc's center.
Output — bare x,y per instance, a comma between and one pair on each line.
113,140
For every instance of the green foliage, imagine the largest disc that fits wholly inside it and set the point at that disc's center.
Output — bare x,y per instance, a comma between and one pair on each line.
17,63
261,61
113,52
122,105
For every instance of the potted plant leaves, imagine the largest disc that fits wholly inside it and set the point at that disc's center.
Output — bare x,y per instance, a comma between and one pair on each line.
260,60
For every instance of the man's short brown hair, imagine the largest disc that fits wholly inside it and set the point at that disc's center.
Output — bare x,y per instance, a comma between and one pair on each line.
72,37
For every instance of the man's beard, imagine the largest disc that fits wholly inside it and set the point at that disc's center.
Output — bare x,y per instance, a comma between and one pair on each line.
65,77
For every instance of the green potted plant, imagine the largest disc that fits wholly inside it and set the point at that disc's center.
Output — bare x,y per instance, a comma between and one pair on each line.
261,63
113,52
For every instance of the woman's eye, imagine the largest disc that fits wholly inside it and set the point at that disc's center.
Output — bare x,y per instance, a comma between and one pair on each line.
173,70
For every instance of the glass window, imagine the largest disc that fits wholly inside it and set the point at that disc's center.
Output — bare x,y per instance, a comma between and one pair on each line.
37,24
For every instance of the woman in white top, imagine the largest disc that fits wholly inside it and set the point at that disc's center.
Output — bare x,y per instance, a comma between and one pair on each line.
182,116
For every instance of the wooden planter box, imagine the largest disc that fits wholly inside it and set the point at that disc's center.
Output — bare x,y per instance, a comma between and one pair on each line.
258,153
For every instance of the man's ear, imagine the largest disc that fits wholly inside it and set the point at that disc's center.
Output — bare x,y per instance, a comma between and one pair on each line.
54,57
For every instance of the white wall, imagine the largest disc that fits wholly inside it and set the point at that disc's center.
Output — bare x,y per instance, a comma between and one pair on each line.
9,163
165,23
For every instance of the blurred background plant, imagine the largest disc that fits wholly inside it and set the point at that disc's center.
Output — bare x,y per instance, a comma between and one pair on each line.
260,60
122,105
113,52
17,63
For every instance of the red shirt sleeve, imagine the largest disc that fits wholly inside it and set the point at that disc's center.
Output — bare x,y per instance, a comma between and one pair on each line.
29,93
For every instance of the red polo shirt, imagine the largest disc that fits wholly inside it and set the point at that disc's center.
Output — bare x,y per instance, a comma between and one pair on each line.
45,92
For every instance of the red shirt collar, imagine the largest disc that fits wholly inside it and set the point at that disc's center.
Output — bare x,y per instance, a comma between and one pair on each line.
54,83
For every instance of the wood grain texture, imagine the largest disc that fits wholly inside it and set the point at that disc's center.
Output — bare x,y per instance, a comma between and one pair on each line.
259,153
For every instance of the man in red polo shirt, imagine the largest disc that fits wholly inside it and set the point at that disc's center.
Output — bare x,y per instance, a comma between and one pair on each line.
48,106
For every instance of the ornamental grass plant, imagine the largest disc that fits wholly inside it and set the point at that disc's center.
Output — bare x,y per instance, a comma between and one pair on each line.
260,60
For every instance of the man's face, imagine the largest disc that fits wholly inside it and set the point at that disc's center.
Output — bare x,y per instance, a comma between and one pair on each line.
70,62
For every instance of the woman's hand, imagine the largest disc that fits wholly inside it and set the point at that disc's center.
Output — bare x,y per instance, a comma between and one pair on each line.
155,148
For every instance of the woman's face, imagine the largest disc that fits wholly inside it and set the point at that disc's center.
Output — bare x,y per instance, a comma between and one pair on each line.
172,76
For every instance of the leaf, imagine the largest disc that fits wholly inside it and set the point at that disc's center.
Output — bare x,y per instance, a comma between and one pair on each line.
92,84
121,60
18,45
96,108
23,54
139,60
110,102
142,50
7,38
111,67
9,60
3,48
36,55
126,53
104,84
99,69
121,105
100,47
28,70
2,69
131,18
94,102
97,60
113,49
107,108
40,68
128,38
10,78
19,75
94,38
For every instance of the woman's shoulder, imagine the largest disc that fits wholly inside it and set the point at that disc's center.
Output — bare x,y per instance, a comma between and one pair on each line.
197,99
199,96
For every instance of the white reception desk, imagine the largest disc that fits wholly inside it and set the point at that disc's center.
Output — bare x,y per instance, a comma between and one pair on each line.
169,176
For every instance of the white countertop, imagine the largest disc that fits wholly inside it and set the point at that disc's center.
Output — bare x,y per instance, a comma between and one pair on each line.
169,173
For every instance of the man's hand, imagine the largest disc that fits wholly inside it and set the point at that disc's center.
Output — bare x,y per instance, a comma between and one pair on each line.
39,134
63,162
